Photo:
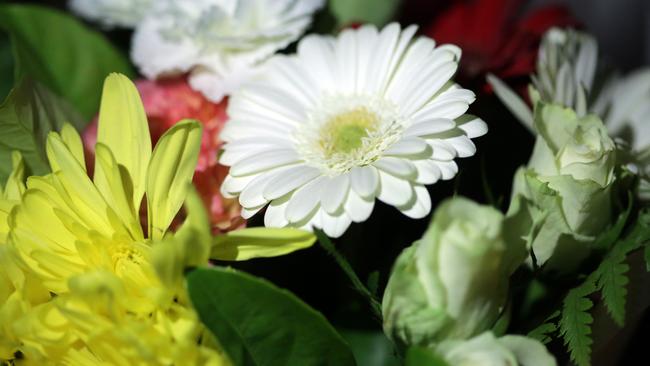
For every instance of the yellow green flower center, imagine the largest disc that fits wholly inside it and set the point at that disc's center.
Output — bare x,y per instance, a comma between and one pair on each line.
345,132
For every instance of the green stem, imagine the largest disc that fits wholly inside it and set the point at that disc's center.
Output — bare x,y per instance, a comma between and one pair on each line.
343,263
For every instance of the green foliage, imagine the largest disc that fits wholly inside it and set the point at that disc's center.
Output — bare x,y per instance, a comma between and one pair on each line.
612,280
364,11
417,356
545,331
63,54
28,114
257,242
258,324
575,323
6,66
371,347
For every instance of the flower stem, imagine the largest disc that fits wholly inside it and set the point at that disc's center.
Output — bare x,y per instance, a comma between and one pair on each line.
343,263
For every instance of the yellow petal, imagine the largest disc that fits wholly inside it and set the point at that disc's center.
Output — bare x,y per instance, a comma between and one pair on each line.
71,138
260,242
111,183
123,128
15,186
171,169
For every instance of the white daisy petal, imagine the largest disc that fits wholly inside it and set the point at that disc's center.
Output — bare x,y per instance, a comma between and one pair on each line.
275,212
474,127
429,127
335,225
421,205
293,178
463,145
449,169
365,181
305,200
396,166
252,195
232,186
408,146
428,171
270,159
394,191
334,193
442,150
247,213
359,209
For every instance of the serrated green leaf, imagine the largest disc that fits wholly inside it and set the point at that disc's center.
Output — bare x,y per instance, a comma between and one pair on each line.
28,114
543,332
257,323
575,323
62,53
608,238
612,280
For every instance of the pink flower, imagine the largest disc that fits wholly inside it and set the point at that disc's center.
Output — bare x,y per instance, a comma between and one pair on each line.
168,101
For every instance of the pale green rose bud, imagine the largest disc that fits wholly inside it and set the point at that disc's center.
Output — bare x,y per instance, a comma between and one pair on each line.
453,282
563,199
487,350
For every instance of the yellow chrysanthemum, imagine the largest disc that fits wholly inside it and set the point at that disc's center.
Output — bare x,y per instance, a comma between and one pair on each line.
118,298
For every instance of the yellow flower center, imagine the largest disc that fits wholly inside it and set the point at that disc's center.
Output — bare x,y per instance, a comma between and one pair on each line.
345,132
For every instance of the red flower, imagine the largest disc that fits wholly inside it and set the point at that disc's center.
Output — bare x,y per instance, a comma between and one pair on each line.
494,39
168,101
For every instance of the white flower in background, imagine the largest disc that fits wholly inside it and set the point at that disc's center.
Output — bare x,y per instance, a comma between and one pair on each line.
566,67
219,42
344,121
487,350
111,13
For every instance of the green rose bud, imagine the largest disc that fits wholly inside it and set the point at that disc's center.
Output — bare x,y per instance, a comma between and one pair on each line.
563,199
452,283
487,350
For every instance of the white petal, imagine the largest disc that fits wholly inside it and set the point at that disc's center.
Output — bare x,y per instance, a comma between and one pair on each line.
335,226
421,205
428,171
358,209
305,200
396,166
463,145
232,186
275,215
365,181
238,150
394,191
334,193
449,169
270,159
252,196
408,146
293,178
247,213
442,150
429,127
474,127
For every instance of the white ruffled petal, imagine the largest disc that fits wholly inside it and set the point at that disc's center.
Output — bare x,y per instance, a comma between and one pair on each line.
394,191
305,200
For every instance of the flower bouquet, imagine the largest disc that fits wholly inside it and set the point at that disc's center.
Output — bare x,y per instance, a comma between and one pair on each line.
343,182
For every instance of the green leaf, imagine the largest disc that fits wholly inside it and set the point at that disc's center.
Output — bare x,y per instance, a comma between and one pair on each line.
370,347
612,280
364,11
418,356
259,242
608,238
28,114
647,257
257,323
544,331
62,53
575,323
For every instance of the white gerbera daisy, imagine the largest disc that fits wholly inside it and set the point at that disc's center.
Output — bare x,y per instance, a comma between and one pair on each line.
219,42
344,121
111,13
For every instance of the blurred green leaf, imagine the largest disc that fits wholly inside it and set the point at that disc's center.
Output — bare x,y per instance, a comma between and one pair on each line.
257,323
259,242
417,356
378,12
370,348
27,115
62,53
